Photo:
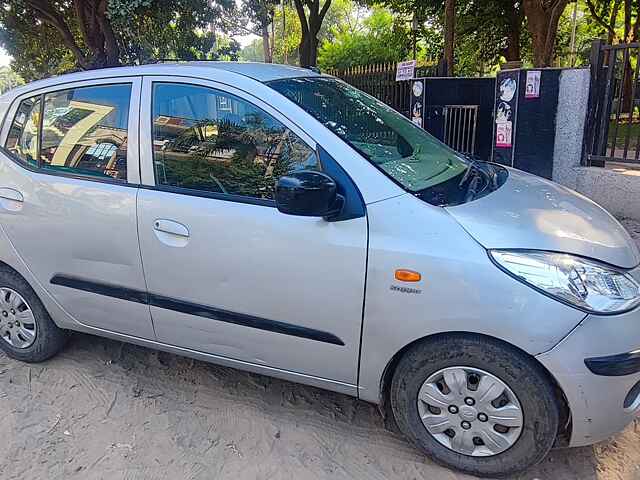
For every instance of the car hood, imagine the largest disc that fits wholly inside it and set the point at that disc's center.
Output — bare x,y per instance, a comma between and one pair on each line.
529,212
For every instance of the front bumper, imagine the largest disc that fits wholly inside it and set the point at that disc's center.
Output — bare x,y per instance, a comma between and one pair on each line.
597,367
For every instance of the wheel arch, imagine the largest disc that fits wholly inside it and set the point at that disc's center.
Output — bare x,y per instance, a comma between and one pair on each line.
564,430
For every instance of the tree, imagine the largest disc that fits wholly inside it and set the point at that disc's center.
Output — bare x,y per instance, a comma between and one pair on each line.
449,36
286,29
255,16
379,39
252,52
78,23
172,29
9,79
311,15
542,22
47,37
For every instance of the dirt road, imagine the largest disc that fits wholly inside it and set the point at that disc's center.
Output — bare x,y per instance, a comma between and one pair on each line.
106,410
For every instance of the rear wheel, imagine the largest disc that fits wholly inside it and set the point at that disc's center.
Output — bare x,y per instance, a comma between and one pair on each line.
27,332
475,404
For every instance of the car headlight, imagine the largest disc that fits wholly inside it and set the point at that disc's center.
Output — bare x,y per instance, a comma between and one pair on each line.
583,283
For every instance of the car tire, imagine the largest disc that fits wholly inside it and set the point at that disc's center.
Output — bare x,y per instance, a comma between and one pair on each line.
482,360
48,339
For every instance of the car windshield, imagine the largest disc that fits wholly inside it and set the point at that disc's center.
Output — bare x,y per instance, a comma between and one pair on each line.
402,150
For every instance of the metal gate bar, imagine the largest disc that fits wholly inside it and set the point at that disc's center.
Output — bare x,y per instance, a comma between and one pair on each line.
612,132
460,123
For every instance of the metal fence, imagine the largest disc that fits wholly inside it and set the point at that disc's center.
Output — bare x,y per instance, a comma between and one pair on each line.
379,80
460,127
612,133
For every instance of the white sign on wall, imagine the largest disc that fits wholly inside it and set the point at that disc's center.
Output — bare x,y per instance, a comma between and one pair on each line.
532,86
405,70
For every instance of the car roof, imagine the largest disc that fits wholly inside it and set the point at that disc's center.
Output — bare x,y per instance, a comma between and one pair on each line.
262,72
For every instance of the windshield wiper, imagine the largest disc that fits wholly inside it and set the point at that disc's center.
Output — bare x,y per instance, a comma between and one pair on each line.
475,172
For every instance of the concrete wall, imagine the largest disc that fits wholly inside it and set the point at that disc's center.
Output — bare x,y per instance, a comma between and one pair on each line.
616,187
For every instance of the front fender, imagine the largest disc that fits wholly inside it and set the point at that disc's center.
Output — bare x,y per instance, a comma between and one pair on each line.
461,290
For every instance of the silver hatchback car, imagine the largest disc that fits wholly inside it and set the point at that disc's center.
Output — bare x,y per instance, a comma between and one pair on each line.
276,220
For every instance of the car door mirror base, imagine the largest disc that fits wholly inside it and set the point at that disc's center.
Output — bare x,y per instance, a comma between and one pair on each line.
309,194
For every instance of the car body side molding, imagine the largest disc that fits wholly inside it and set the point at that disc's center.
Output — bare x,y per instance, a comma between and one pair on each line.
190,308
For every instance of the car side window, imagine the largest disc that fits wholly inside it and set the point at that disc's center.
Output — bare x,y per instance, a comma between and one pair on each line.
206,139
84,131
22,140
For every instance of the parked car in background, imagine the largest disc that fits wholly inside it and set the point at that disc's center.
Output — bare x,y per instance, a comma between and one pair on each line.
277,220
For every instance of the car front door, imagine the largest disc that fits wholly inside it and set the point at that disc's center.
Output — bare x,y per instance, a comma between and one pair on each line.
227,273
70,162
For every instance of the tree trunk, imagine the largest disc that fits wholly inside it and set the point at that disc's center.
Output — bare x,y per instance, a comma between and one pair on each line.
266,44
308,50
449,35
512,51
95,28
308,47
542,22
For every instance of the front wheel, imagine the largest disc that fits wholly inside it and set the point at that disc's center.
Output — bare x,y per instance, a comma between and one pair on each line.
475,404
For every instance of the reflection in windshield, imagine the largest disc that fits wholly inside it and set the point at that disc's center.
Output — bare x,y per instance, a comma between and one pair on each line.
405,152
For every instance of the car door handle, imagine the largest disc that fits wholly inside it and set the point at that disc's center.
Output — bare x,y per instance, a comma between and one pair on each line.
169,226
11,194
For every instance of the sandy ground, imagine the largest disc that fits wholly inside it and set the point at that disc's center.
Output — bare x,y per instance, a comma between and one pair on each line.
106,410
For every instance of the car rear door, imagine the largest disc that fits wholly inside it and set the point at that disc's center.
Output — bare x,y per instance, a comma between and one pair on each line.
70,166
227,273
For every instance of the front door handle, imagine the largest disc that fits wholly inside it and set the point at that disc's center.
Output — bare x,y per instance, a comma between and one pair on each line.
11,194
169,226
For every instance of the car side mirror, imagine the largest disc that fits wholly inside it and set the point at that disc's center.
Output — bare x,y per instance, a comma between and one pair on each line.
309,194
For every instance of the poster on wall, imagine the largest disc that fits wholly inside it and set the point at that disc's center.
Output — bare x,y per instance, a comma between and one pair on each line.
417,102
505,113
532,86
503,134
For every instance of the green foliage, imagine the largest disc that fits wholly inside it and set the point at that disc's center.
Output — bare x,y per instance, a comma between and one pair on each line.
288,37
381,39
252,52
258,12
145,30
126,8
9,79
170,29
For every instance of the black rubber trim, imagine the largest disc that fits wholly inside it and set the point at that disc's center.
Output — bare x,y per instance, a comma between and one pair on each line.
205,311
105,289
354,206
228,197
242,319
615,365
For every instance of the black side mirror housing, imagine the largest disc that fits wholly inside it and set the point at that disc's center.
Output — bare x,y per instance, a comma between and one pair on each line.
308,193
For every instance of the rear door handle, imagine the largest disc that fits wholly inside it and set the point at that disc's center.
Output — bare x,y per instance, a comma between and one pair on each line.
169,226
11,194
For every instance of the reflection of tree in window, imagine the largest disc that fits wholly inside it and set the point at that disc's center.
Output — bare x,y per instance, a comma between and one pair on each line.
238,149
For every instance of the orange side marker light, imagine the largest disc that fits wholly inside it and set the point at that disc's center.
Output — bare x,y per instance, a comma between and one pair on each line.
404,275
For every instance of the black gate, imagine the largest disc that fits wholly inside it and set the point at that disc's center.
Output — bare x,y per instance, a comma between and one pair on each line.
459,111
612,131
